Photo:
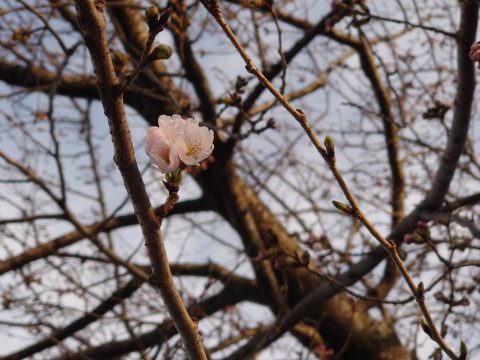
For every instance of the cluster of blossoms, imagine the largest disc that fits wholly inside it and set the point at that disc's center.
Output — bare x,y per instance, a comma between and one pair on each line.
177,142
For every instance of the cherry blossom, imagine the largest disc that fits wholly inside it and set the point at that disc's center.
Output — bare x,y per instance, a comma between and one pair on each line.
176,141
162,151
196,142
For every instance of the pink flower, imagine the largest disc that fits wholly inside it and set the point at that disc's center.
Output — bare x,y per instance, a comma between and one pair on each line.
176,140
475,52
195,144
162,151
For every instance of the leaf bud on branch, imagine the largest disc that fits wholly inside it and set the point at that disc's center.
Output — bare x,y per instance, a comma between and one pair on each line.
330,147
161,52
343,208
463,350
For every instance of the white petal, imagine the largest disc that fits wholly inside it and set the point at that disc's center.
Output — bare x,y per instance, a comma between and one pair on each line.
163,119
151,138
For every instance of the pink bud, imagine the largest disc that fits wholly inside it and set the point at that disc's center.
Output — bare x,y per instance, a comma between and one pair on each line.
262,255
408,238
422,225
475,52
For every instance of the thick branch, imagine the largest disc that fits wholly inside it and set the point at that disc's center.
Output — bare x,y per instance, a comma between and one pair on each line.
93,25
463,108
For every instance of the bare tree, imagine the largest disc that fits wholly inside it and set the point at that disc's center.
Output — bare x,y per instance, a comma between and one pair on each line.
337,217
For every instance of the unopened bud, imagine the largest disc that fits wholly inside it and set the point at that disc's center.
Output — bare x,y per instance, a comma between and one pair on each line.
161,52
464,301
255,3
421,291
425,327
240,84
21,35
330,146
408,238
151,16
120,60
475,52
164,16
343,207
271,123
463,350
422,225
305,258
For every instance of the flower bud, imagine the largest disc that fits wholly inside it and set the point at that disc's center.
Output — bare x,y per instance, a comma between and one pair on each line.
240,84
161,52
21,35
330,146
151,16
425,327
271,123
422,225
305,258
164,16
463,350
420,291
464,301
120,60
343,207
475,51
255,3
408,239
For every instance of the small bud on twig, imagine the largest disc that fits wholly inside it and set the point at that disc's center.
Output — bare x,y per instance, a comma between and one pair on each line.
156,21
343,207
463,350
425,327
161,52
330,147
151,16
305,258
421,291
164,16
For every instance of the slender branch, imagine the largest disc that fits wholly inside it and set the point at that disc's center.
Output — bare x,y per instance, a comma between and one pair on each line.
109,224
463,107
390,246
59,335
233,293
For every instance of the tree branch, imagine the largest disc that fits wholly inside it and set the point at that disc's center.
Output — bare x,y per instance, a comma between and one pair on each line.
92,23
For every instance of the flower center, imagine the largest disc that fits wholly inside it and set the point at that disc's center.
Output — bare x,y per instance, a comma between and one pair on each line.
194,148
